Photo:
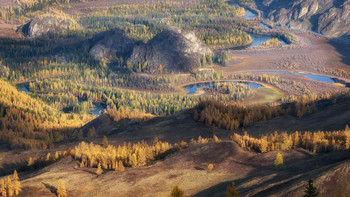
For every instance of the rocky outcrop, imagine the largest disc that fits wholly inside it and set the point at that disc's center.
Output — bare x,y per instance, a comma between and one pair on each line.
39,27
175,50
107,45
328,17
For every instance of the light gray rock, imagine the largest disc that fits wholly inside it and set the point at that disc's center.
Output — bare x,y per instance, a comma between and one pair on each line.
40,27
175,49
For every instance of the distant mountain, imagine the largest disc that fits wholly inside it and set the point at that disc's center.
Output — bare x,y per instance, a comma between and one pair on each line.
328,17
175,49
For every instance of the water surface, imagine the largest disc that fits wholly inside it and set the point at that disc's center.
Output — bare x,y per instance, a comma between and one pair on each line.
98,109
24,87
258,40
310,76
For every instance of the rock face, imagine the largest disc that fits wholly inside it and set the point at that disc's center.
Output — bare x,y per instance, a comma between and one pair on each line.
39,27
106,45
176,50
328,17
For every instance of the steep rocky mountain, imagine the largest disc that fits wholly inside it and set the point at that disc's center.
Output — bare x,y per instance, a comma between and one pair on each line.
106,45
328,17
175,49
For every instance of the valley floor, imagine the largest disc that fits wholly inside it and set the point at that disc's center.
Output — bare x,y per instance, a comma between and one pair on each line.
253,173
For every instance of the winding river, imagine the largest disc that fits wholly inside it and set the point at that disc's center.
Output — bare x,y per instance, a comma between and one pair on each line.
256,39
310,76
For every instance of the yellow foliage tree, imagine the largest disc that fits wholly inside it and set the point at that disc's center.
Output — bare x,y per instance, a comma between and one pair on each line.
3,191
16,184
99,170
61,189
210,167
231,191
9,186
278,161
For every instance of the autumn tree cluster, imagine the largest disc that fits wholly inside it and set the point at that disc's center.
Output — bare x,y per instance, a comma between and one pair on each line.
111,157
10,186
125,113
274,42
320,141
235,91
232,116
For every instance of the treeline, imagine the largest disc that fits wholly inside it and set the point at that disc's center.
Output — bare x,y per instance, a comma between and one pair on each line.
27,123
320,141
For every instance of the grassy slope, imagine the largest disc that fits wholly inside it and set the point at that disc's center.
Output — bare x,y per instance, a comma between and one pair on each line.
253,173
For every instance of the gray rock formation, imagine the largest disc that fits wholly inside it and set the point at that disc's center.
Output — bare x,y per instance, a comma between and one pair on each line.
39,27
176,50
107,45
328,17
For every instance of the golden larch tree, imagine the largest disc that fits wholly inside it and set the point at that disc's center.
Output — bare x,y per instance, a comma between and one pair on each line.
61,189
16,184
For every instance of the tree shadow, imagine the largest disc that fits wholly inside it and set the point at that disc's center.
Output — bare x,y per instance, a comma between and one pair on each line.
199,168
51,188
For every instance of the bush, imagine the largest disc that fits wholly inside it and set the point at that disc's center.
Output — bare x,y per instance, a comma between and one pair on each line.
177,192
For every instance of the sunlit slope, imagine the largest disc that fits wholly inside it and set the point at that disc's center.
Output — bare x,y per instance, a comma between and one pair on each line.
26,122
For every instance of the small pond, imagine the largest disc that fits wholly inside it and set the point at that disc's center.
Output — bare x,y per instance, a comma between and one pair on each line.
192,88
258,39
98,109
24,87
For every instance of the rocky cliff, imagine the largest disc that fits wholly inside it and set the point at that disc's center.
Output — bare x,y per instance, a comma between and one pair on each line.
175,49
328,17
107,45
